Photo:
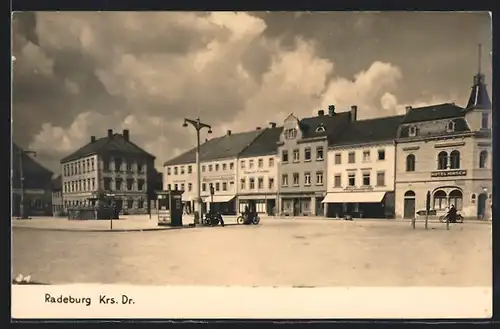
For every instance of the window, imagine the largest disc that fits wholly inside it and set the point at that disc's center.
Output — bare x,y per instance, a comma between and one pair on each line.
483,158
140,204
129,166
92,164
217,186
224,186
485,120
338,158
217,167
337,180
175,171
250,164
319,178
130,203
381,154
210,168
296,155
242,164
320,129
410,163
296,179
190,169
169,186
351,179
224,167
284,180
366,156
130,184
271,183
204,187
290,133
231,165
88,184
307,154
168,171
442,160
351,157
93,184
190,187
118,164
231,183
284,156
252,183
140,184
260,183
176,187
450,127
118,184
242,183
412,131
140,167
319,153
440,200
261,163
455,159
83,166
271,162
366,179
381,178
307,178
182,170
203,168
182,187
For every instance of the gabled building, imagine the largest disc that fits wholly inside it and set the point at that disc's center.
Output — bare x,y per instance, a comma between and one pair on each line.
302,150
113,164
37,185
258,173
361,169
218,159
446,150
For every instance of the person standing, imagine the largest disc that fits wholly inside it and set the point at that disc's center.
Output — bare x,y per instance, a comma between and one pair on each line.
452,214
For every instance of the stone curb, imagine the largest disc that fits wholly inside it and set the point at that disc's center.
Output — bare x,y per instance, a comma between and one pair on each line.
114,230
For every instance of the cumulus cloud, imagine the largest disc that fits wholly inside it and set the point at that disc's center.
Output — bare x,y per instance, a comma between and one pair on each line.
79,74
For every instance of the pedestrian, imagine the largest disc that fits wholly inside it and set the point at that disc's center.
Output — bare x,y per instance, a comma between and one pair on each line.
452,214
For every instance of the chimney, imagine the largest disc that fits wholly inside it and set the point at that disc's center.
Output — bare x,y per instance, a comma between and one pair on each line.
321,113
408,109
126,134
110,133
331,110
229,132
273,124
92,139
258,128
354,113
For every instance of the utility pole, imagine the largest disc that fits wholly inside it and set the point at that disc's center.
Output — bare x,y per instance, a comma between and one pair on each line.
198,126
22,153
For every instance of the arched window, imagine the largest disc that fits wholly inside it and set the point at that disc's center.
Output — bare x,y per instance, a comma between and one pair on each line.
483,158
439,200
442,160
320,129
455,159
456,199
409,194
410,162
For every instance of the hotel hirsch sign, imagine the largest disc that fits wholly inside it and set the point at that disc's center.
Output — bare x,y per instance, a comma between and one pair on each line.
449,173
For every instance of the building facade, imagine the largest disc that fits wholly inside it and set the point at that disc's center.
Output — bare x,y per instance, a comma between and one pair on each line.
302,151
361,170
257,186
446,150
112,164
57,196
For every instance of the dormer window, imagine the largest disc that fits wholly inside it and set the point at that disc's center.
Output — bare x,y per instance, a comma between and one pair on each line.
450,127
290,133
413,131
320,129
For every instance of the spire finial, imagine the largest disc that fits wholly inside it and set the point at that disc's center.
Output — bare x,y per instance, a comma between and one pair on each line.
479,60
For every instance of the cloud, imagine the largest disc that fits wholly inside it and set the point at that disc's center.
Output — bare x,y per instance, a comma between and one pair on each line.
79,74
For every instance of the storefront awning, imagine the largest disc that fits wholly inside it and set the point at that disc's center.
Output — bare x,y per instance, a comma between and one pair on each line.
219,198
349,197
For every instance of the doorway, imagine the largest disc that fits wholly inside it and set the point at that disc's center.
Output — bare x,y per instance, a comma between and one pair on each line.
409,205
296,207
481,205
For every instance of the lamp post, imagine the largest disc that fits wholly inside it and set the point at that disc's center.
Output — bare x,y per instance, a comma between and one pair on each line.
22,153
198,126
111,214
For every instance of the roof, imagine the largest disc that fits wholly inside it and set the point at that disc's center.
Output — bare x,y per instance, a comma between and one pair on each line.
333,125
227,146
460,127
372,130
30,165
264,144
117,143
479,98
434,112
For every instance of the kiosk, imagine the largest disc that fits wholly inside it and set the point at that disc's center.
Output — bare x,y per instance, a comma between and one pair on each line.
169,208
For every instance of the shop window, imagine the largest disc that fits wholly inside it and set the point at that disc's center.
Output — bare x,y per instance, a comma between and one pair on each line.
440,200
456,199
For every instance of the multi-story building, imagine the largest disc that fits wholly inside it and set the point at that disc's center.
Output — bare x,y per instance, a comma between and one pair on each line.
218,158
361,169
302,168
445,149
112,164
37,185
57,196
257,173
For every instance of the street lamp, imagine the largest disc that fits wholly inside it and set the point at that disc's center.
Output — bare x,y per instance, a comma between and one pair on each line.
198,126
21,154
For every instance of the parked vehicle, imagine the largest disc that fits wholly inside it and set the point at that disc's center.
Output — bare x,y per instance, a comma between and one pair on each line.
247,219
213,219
444,218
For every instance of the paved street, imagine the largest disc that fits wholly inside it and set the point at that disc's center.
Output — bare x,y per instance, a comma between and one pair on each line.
278,252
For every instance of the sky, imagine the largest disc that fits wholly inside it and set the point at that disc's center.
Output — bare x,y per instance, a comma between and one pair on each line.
77,74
